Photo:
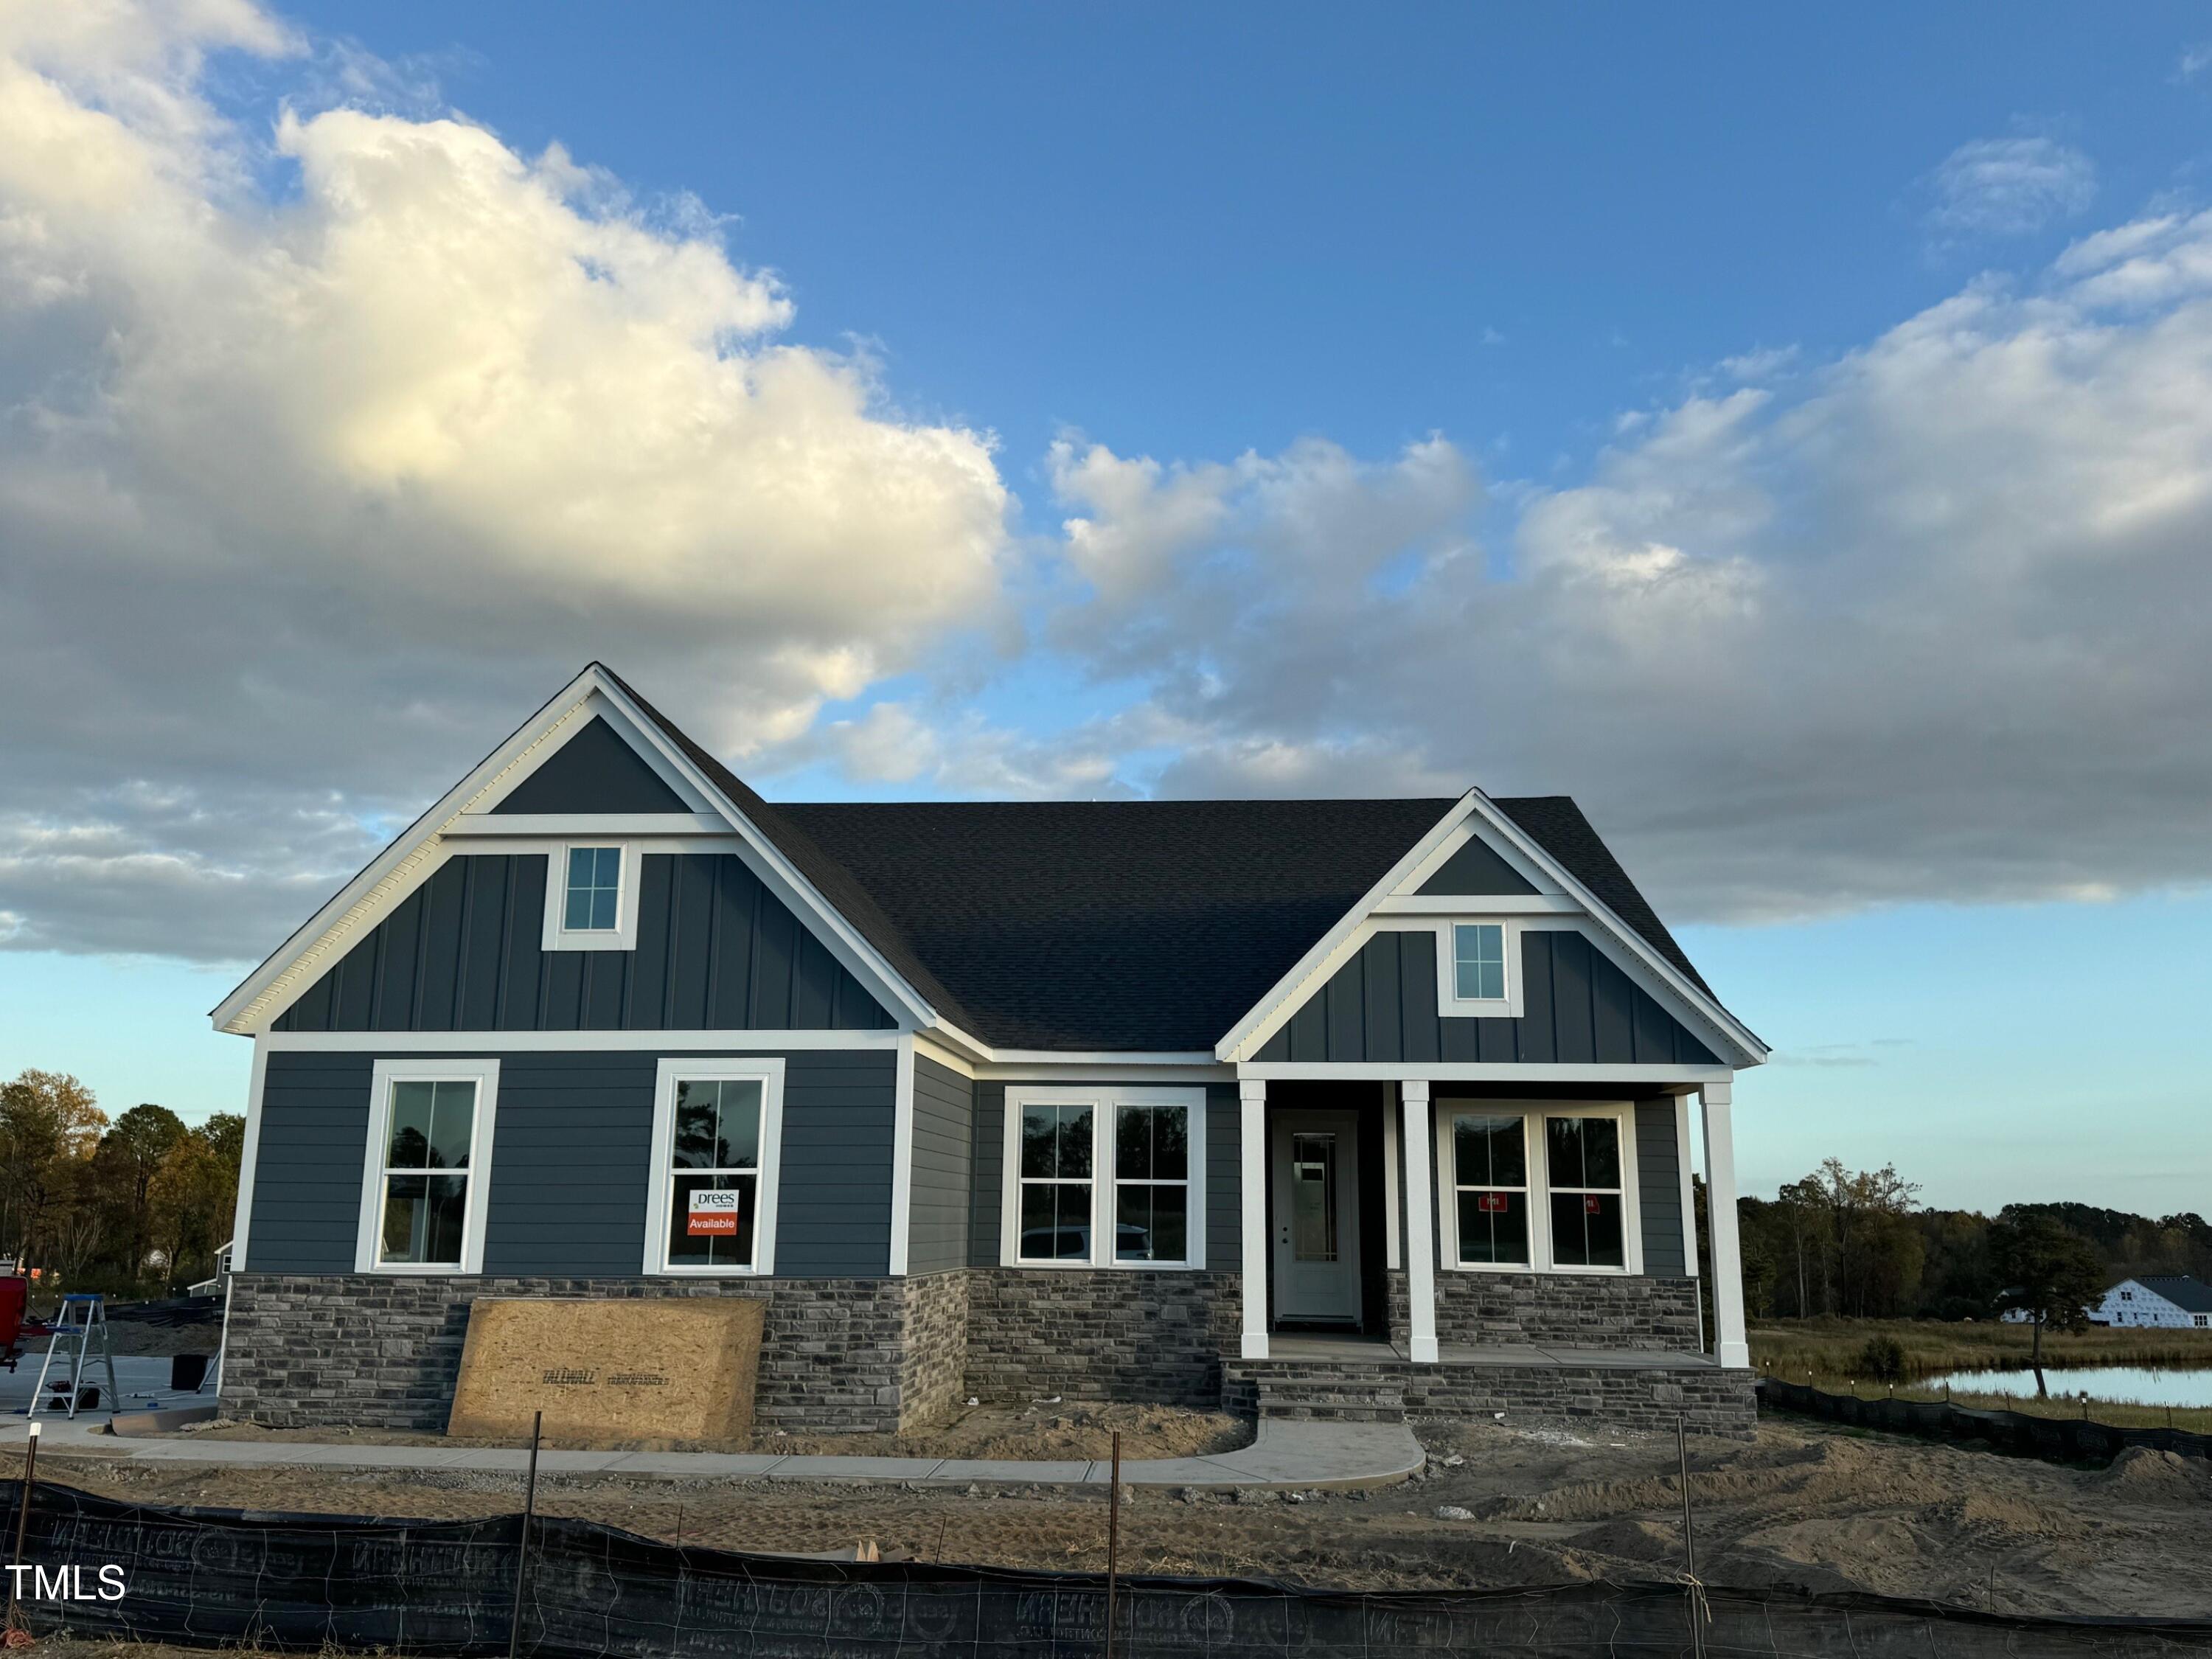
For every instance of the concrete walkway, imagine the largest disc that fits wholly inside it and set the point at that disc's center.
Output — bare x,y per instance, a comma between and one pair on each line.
1286,1454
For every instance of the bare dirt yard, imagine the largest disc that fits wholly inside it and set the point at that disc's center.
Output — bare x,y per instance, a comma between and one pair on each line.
1801,1505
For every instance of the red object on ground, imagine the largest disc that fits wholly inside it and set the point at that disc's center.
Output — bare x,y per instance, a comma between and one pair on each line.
15,1299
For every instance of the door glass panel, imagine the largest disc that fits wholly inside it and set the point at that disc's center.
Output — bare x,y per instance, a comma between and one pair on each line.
1313,1197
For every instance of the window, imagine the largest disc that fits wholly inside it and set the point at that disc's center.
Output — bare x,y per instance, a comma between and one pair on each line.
717,1129
1474,969
1536,1187
1103,1178
590,897
426,1158
594,889
1582,1157
1490,1177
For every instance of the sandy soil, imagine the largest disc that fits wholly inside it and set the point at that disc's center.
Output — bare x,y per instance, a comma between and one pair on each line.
1040,1431
1802,1505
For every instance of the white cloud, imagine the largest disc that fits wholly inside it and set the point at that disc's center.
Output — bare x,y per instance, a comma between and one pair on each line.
306,486
2008,187
2195,60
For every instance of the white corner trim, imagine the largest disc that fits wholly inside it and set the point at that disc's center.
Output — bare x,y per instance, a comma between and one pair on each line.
901,1158
660,1173
484,1074
249,1156
1450,1003
558,935
1103,1099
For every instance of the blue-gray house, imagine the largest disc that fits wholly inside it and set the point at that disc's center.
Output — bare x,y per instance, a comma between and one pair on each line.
1384,1101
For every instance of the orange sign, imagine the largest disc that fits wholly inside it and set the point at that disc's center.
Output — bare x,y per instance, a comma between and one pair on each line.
713,1213
1490,1203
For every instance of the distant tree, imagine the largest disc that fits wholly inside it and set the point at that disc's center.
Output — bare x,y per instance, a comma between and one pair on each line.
194,1192
130,1154
49,1125
2053,1275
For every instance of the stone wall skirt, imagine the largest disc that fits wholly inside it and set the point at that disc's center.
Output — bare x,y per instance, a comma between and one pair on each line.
1100,1334
1582,1310
381,1351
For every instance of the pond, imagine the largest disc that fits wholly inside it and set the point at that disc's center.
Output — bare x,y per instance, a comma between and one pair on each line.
2140,1385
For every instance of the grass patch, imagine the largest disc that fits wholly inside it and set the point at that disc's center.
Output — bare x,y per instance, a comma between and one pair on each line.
1830,1349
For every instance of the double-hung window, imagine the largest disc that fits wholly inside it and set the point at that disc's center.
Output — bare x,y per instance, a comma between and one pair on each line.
1582,1158
1105,1177
428,1158
1533,1186
717,1138
590,897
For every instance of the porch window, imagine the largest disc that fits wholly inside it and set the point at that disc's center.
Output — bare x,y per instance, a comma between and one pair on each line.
1490,1176
1582,1166
429,1150
717,1139
1151,1183
1056,1160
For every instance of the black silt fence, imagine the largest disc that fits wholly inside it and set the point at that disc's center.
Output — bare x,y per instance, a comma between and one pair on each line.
307,1583
2059,1439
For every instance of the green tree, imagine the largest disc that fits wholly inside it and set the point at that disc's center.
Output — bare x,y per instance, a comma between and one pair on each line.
130,1154
49,1125
2052,1275
194,1194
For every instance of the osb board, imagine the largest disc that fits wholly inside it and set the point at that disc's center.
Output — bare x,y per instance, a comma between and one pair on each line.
610,1372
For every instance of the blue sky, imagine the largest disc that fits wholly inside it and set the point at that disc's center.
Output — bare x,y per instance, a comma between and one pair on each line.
1782,431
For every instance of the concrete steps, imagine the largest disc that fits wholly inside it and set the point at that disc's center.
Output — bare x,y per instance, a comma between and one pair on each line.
1324,1398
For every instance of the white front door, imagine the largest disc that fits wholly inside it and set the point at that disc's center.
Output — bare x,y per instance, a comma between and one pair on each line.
1316,1159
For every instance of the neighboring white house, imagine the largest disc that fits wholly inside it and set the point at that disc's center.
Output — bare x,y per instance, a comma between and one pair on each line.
2167,1301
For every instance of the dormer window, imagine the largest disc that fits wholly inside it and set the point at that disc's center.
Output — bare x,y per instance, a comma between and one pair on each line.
590,897
594,893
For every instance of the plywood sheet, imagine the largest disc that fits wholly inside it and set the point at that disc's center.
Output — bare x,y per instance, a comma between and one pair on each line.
616,1371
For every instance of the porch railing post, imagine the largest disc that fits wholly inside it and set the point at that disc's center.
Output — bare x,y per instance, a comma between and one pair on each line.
1252,1098
1415,1137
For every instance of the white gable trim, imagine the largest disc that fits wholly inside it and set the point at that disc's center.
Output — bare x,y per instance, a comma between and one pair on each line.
1472,814
415,854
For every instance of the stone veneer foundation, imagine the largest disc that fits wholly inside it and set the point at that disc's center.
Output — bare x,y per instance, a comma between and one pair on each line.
381,1351
1582,1310
1101,1333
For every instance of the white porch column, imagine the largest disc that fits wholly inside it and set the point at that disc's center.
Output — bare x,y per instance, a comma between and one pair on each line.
1252,1144
1730,1346
1416,1135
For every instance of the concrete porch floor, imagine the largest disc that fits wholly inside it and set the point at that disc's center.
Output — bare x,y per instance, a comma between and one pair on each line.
1312,1348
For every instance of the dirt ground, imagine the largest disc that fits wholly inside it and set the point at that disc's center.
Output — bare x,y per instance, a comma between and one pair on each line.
1802,1505
1041,1430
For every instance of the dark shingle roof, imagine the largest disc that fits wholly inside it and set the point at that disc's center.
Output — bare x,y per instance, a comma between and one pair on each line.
2190,1294
1121,925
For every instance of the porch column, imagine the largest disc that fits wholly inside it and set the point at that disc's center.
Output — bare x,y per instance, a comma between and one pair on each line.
1730,1346
1416,1136
1252,1144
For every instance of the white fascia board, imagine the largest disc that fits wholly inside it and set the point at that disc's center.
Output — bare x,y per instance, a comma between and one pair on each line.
1260,1021
496,1043
583,826
1732,1031
846,942
970,1058
392,874
1411,1071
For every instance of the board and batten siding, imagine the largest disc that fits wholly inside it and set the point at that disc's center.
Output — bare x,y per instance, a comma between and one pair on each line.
1579,1008
716,951
944,1138
571,1164
1659,1202
1225,1249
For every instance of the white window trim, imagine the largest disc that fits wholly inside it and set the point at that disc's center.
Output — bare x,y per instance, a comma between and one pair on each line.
1540,1186
1449,1000
484,1074
623,937
768,1070
1103,1100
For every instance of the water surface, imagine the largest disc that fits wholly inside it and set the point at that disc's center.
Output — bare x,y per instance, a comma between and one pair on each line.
2138,1385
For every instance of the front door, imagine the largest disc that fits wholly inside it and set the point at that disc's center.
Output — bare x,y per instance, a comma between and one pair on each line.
1316,1159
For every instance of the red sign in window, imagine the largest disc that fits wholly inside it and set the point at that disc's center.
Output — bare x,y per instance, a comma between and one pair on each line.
1590,1206
712,1213
1490,1203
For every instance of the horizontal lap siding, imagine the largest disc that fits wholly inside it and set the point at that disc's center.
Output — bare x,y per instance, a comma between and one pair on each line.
1577,1007
938,1209
1224,1175
570,1164
1659,1172
716,951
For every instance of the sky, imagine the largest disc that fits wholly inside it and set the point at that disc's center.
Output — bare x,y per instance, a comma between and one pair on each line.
1789,434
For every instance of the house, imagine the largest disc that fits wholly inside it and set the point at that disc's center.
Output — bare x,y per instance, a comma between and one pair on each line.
1290,1104
2167,1302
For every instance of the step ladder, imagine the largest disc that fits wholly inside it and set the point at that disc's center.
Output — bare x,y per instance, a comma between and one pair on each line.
82,1318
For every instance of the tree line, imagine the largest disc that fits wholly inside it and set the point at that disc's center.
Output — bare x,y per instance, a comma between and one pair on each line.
136,1207
1858,1244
